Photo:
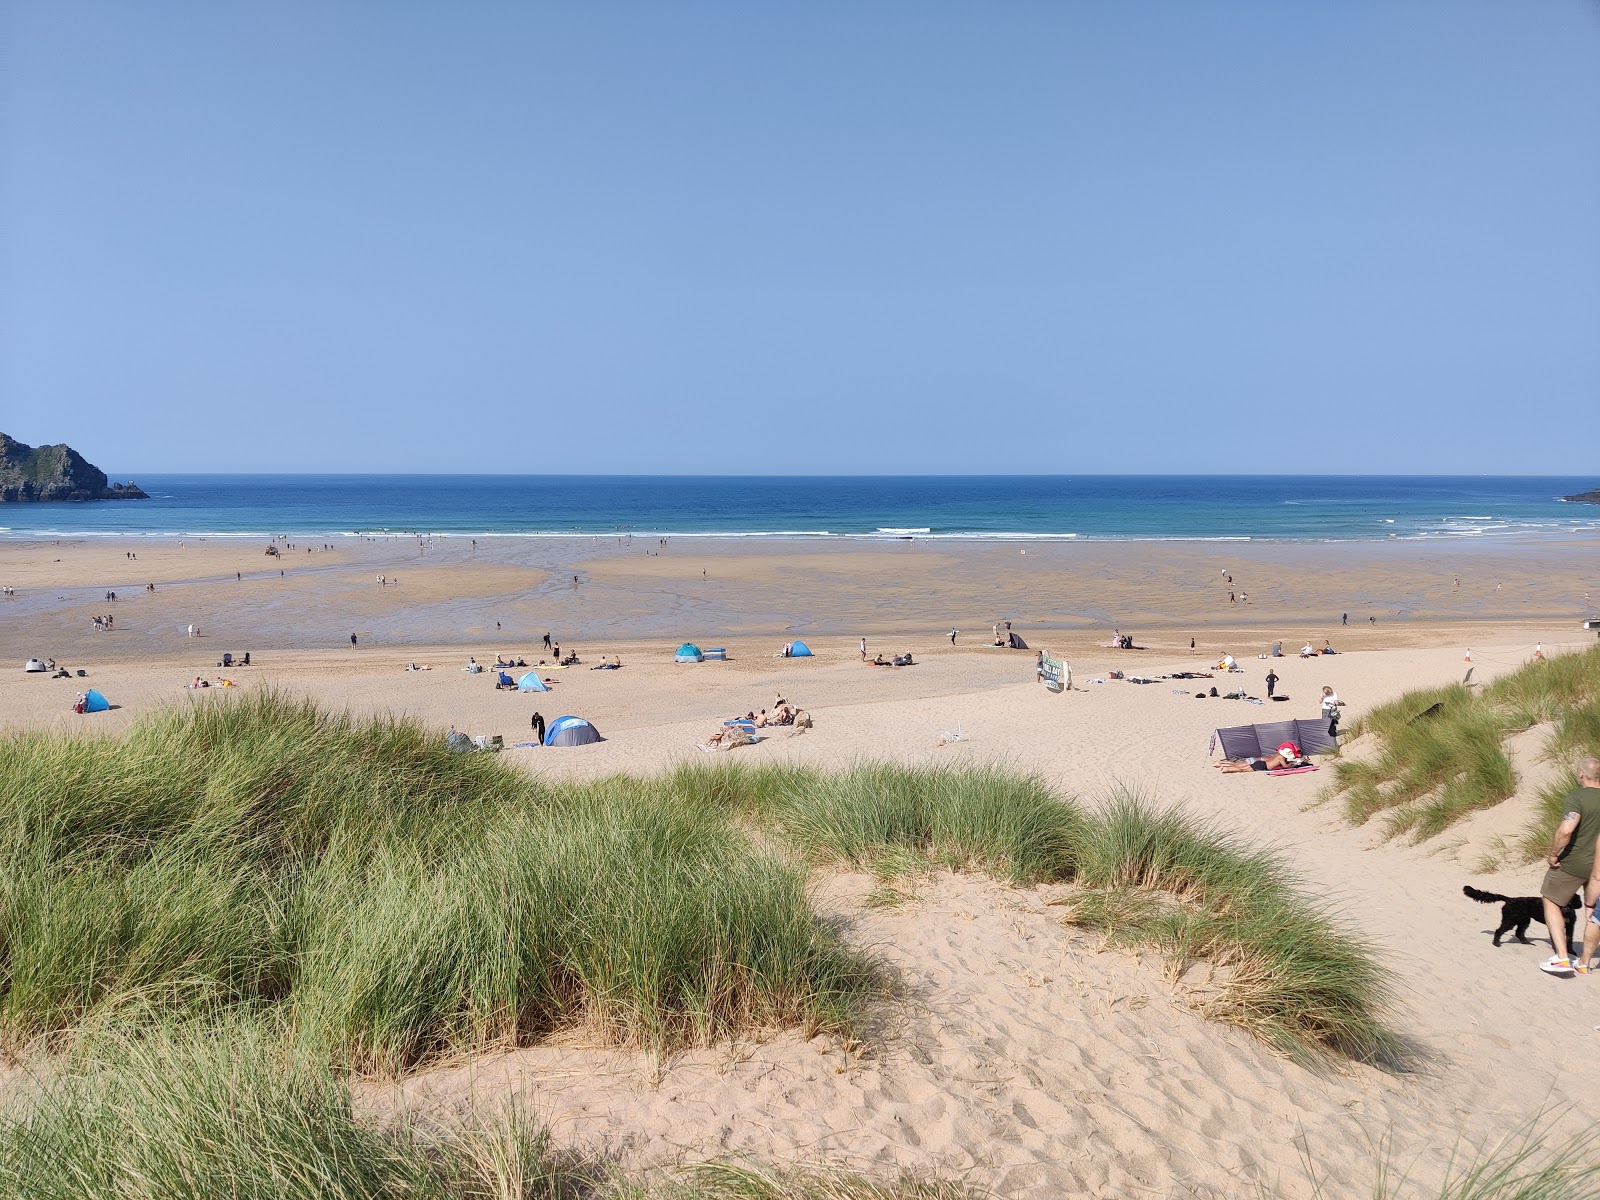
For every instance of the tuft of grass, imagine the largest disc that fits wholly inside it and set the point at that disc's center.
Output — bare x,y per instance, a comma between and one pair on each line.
1296,978
895,820
205,1109
739,1181
1440,751
1522,1166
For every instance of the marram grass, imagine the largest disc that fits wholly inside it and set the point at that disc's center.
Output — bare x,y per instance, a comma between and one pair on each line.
389,903
1438,755
235,1109
1295,977
393,900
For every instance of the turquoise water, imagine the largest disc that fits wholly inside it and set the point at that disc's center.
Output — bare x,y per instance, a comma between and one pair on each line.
1295,508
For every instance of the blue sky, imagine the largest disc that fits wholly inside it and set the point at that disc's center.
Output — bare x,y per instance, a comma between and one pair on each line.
821,237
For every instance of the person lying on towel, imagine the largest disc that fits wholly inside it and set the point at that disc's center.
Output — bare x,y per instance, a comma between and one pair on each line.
1286,757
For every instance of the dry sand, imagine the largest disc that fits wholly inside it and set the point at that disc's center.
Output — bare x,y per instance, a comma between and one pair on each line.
1023,1056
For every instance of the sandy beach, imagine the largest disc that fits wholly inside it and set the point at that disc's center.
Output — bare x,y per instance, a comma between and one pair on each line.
1022,1055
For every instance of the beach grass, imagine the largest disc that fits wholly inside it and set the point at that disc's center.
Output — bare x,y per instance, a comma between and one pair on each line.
391,903
395,901
1527,1164
1439,754
1292,975
1287,971
234,1108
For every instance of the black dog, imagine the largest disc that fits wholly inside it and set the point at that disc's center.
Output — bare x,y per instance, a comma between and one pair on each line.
1520,910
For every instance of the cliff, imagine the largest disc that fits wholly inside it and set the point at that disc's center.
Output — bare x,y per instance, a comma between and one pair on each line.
1585,497
54,473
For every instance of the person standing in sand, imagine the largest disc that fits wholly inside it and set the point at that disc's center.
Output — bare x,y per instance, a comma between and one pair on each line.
1331,704
953,633
1571,867
537,724
352,639
863,649
1272,682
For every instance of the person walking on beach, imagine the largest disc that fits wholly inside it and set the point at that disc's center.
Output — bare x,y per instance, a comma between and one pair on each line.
863,649
352,639
1344,619
1571,867
538,728
1232,599
1331,704
1272,682
547,639
953,633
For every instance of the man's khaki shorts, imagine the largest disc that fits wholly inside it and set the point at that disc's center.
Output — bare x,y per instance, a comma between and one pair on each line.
1559,887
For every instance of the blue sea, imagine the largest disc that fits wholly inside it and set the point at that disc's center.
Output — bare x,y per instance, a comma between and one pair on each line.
1130,507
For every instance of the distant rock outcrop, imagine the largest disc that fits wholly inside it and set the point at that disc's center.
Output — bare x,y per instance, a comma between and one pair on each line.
54,473
1585,497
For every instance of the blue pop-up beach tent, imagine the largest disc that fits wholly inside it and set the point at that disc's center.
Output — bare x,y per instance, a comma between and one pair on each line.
688,652
532,683
570,731
799,650
93,701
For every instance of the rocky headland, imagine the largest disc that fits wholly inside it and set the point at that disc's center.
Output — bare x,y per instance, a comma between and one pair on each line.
29,473
1585,497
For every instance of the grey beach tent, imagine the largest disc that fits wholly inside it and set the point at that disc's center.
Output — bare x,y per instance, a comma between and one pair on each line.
570,731
1254,741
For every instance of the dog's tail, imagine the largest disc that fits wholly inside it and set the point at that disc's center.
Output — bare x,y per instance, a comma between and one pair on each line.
1484,897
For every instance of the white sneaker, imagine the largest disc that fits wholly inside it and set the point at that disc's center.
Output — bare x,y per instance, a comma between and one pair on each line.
1558,966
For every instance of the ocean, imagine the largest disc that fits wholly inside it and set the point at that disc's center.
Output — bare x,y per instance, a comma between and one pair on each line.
1127,507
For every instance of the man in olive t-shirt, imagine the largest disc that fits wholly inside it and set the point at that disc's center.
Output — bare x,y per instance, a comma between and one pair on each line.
1572,866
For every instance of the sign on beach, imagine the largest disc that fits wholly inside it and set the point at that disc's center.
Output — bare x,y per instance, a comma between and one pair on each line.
1054,673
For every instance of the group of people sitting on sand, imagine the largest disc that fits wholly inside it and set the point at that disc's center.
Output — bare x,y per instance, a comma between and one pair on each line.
899,660
202,682
740,731
608,666
783,713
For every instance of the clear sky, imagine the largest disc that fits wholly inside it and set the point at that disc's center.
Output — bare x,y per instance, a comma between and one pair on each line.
845,236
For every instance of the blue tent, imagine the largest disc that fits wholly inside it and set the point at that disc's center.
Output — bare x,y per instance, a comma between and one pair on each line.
799,650
570,731
93,701
532,683
688,652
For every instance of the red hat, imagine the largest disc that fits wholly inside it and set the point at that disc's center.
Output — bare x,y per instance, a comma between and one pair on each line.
1289,750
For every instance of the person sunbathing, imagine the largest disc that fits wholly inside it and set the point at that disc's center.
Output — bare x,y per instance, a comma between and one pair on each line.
1267,762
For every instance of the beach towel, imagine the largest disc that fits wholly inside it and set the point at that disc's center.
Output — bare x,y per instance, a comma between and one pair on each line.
1295,770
